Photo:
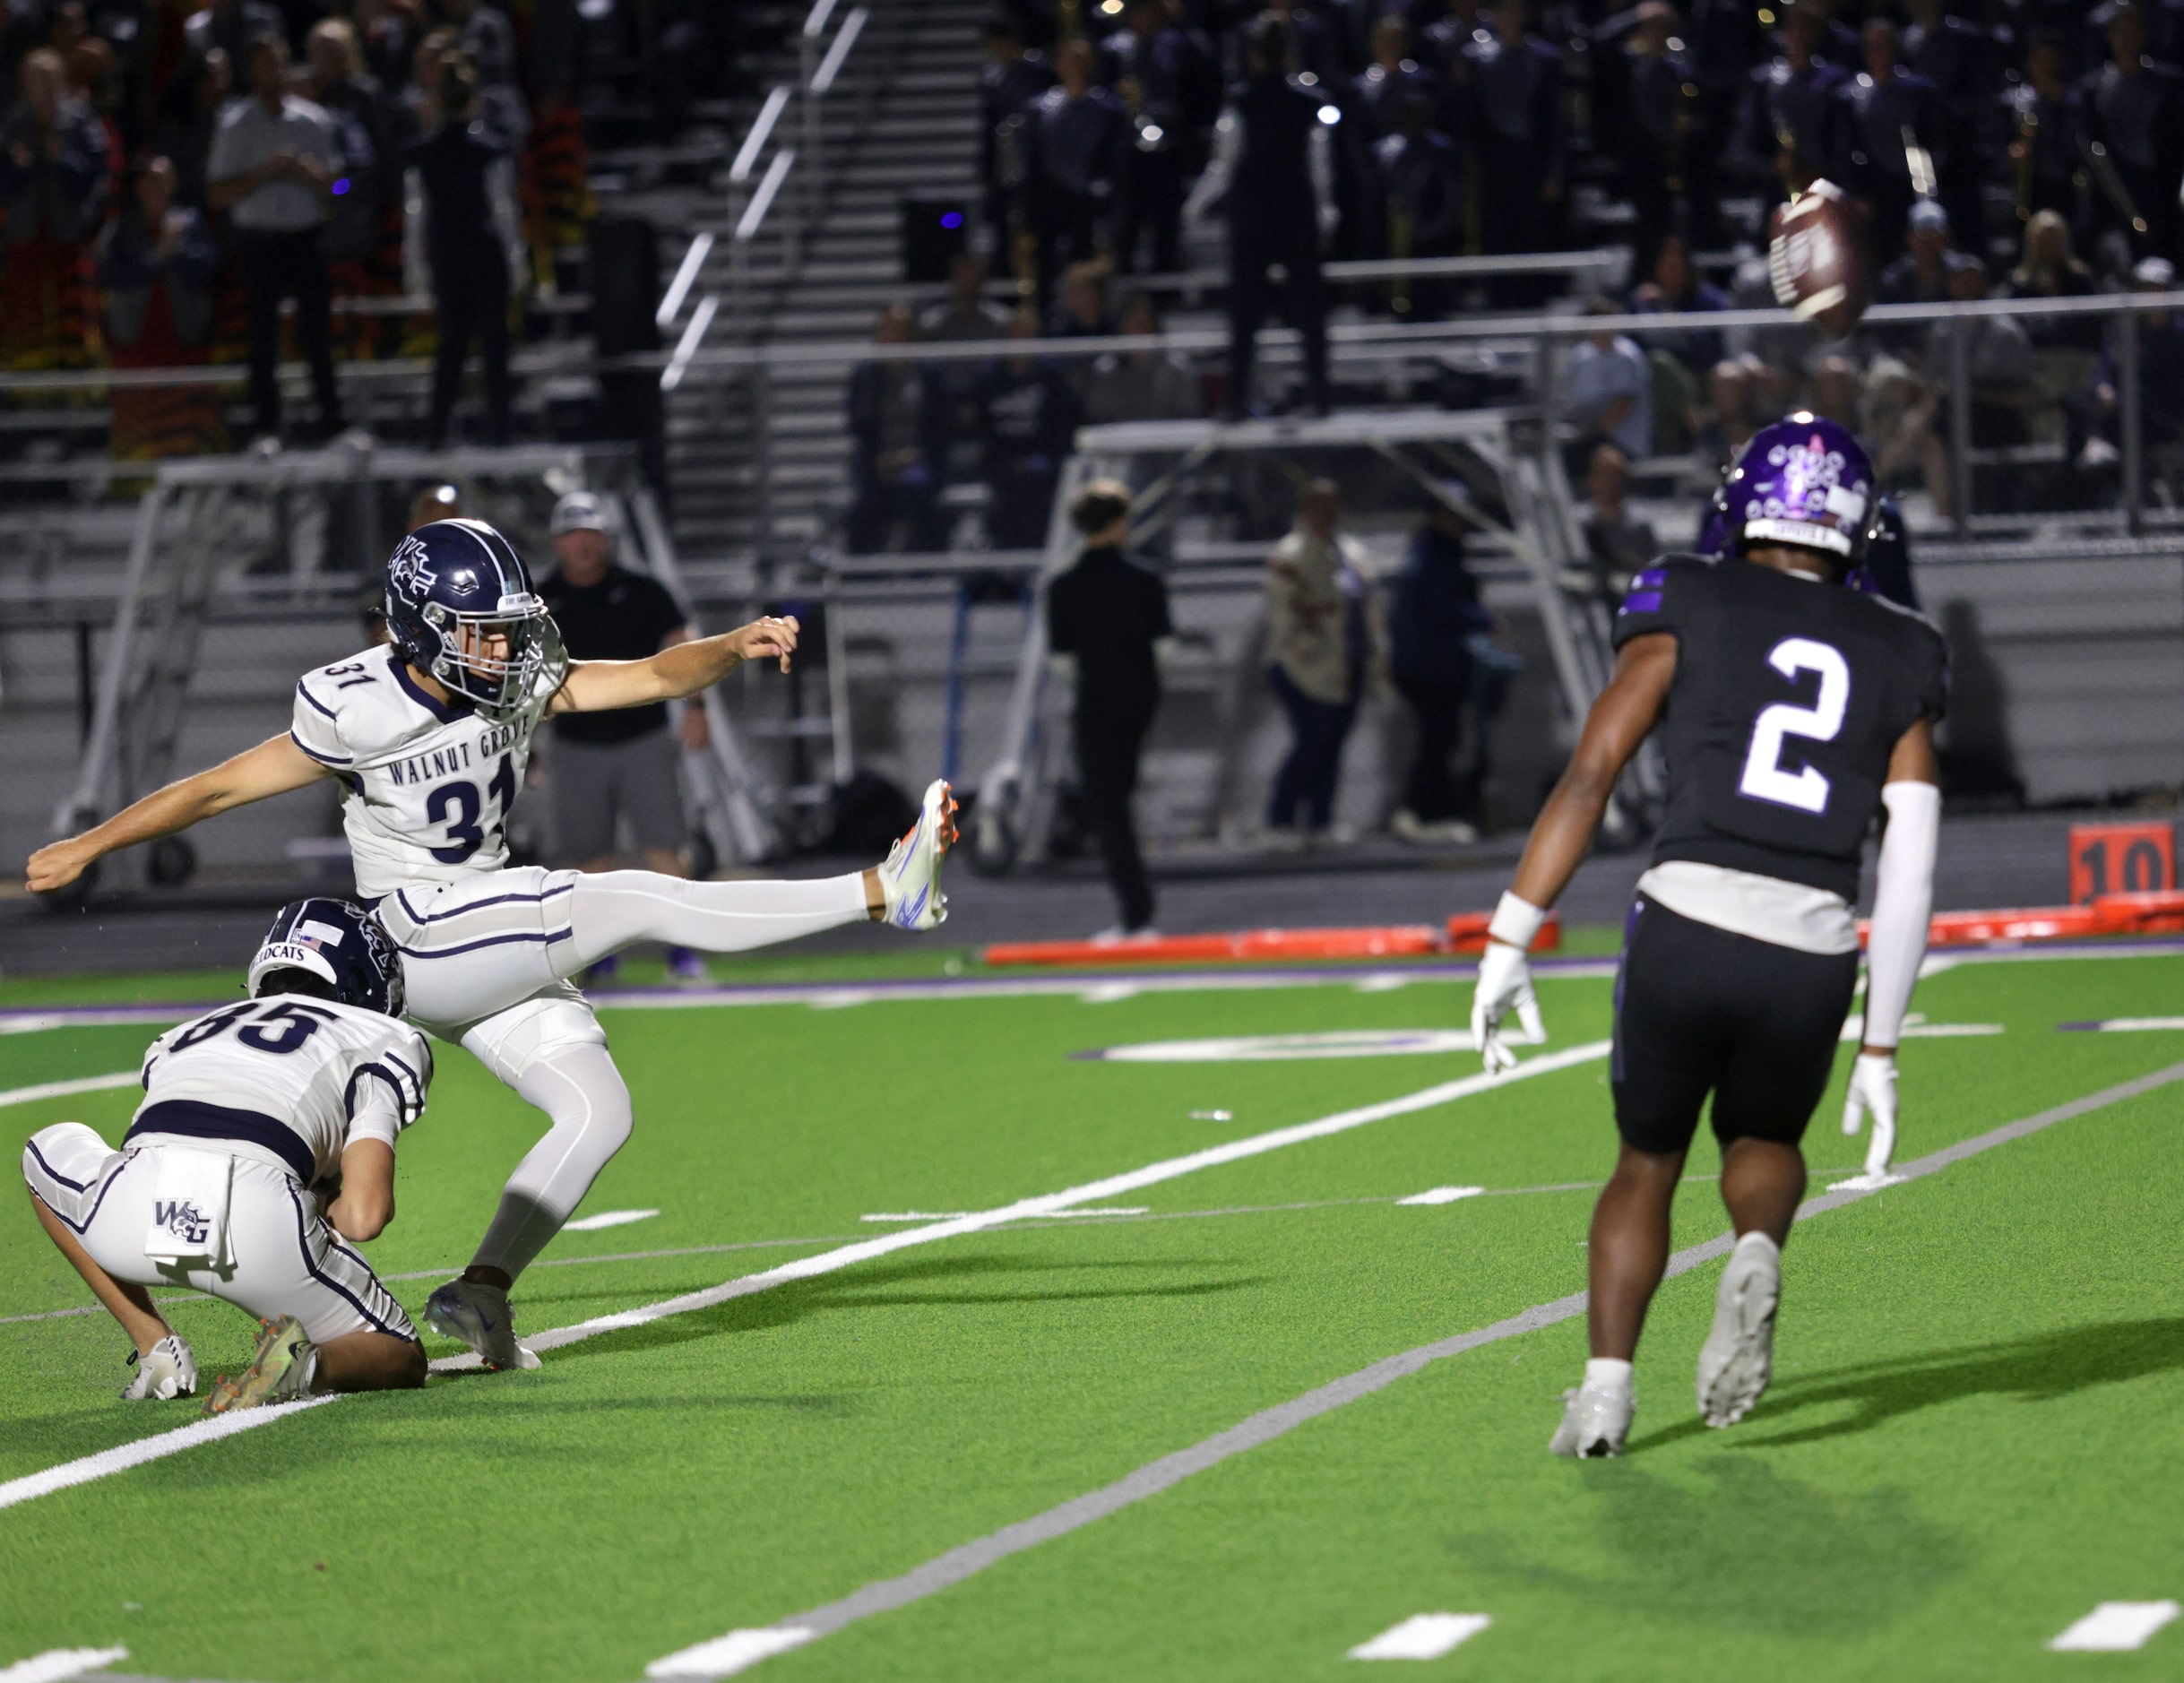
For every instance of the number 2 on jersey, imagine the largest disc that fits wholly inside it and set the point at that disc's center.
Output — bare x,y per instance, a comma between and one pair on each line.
1764,778
457,805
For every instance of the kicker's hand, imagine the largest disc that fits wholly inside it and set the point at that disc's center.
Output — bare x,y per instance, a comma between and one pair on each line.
1505,983
1873,1088
59,864
767,639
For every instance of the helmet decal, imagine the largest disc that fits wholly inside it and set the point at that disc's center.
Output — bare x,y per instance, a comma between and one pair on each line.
1804,481
341,944
460,606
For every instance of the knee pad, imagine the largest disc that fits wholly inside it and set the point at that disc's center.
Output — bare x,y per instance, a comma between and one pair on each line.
509,1042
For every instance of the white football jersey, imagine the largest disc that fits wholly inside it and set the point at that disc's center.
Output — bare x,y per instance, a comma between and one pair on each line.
297,1077
428,783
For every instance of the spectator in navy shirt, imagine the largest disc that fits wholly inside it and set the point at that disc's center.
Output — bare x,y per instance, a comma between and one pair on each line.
469,266
1075,164
1027,418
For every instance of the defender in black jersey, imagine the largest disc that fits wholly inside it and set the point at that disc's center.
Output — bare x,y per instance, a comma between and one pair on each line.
1793,712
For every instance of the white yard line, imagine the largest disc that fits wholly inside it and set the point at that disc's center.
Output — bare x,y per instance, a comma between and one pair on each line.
1049,1204
61,1090
724,1656
57,1664
123,1456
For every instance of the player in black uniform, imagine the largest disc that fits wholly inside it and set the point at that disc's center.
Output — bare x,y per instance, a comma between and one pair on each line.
1792,710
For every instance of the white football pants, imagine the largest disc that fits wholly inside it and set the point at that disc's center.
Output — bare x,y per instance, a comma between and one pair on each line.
488,961
284,1259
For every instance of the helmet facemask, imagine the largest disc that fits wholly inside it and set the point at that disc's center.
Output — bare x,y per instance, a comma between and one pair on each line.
495,659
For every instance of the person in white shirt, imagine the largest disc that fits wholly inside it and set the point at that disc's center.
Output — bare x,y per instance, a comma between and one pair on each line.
429,738
264,1147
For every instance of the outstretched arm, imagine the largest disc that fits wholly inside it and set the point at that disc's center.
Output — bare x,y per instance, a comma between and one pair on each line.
687,668
274,767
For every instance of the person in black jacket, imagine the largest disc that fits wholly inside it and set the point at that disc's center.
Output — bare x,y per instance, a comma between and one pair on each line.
1274,162
469,270
1107,612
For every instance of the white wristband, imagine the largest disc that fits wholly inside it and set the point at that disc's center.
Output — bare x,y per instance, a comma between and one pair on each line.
1516,921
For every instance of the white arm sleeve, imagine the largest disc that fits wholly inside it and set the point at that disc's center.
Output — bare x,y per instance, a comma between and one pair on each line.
377,1115
1319,155
1213,182
1902,902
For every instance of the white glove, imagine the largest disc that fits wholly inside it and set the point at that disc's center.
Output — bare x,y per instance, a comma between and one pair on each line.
170,1370
1505,980
1873,1088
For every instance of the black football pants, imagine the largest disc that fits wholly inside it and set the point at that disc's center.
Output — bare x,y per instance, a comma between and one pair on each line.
1699,1010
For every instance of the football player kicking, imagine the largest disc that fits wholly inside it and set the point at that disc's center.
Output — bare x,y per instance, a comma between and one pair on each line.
1792,710
264,1142
430,737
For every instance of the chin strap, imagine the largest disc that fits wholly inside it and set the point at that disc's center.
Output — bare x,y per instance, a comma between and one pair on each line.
1902,902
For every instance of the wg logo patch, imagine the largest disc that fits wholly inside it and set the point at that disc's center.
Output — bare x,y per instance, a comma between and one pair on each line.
183,1219
408,569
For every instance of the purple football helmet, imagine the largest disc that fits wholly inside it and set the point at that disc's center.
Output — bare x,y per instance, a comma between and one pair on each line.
1804,480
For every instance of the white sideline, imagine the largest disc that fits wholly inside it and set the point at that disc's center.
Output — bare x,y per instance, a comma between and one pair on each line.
724,1656
127,1455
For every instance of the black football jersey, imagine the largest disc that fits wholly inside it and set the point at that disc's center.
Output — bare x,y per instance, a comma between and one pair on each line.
1790,697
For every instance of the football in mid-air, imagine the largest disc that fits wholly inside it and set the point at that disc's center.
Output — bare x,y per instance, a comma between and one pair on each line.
1816,258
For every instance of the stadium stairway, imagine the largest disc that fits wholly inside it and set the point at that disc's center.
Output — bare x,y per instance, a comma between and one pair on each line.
903,118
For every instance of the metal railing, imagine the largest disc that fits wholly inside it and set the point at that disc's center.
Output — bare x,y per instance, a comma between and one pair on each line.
1532,344
754,193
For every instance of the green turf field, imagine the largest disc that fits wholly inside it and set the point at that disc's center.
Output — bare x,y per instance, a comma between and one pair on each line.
1976,1432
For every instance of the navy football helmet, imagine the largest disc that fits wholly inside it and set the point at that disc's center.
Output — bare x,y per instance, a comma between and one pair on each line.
342,945
456,590
1805,480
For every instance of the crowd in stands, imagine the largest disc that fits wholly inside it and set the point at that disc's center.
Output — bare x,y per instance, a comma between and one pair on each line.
1996,148
172,174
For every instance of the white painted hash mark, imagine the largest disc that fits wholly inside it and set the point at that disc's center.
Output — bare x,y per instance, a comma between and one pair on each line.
724,1656
2111,1627
61,1090
1422,1636
57,1664
1442,1195
607,1218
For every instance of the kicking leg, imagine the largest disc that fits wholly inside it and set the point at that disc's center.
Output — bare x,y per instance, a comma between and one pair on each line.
612,910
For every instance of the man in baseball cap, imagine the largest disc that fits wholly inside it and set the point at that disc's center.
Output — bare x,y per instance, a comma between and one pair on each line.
607,767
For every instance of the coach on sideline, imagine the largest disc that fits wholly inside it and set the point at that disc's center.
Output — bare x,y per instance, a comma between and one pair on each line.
611,765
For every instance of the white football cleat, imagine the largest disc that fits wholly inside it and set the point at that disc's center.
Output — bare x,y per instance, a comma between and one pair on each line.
910,878
168,1370
1739,1357
477,1314
1595,1421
